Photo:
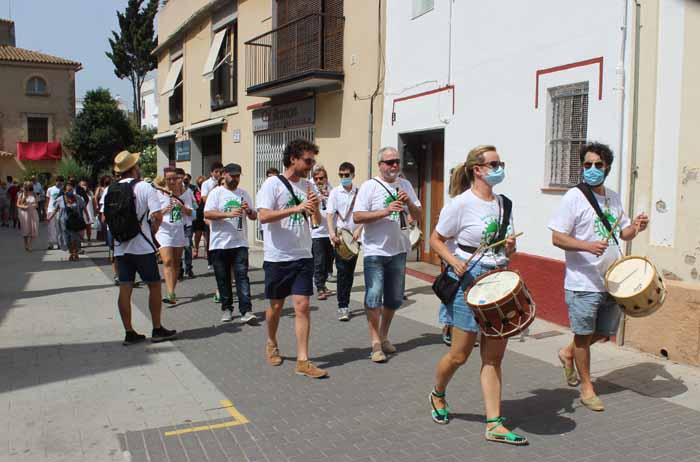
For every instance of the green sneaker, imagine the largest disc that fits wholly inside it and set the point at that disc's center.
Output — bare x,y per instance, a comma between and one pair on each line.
217,299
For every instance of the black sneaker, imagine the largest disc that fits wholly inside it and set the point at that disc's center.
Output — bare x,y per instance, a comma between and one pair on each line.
161,334
190,274
132,338
116,281
181,275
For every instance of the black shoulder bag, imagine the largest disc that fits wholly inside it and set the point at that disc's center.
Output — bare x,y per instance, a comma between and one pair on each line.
586,190
445,286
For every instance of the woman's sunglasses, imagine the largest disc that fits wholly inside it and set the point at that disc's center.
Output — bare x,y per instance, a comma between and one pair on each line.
599,165
494,164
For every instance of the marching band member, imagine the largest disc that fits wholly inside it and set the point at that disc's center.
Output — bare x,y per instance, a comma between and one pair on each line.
474,218
381,206
212,182
321,246
341,202
284,202
584,233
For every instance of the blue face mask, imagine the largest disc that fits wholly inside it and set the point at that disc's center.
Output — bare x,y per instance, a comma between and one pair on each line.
593,176
345,182
495,176
70,194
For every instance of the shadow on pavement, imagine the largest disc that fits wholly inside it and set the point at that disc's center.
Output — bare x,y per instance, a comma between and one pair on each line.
647,379
208,332
62,290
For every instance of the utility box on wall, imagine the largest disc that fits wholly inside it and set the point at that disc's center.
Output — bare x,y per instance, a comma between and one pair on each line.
674,330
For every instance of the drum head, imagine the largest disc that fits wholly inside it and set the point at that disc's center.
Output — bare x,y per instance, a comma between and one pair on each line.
493,287
630,277
346,237
414,235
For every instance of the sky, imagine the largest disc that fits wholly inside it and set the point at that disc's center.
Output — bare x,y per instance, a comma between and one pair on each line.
72,29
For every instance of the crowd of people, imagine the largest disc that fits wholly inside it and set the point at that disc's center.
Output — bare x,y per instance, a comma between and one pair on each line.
304,220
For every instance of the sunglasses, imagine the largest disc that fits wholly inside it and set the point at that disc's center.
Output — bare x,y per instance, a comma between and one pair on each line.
494,164
599,165
345,175
391,162
319,178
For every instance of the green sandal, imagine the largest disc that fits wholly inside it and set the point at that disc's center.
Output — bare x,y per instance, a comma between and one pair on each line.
508,438
440,416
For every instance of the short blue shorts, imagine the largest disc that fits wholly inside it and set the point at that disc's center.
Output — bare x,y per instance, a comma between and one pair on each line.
592,312
458,311
385,278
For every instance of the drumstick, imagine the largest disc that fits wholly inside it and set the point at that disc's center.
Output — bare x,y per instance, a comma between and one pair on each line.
496,244
612,230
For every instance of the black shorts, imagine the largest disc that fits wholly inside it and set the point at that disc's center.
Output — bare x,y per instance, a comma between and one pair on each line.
286,278
146,265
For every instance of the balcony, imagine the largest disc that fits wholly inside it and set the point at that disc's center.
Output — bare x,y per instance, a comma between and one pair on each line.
304,54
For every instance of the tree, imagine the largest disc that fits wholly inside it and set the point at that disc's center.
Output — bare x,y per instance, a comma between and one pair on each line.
99,132
133,45
146,145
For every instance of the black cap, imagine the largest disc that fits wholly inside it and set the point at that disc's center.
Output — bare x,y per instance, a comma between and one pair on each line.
233,169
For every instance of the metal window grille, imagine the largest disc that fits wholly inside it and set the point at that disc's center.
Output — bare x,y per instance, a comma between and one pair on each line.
568,130
269,147
422,6
37,129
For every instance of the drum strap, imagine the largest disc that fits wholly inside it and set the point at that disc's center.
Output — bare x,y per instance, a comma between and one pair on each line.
588,193
285,182
502,229
349,211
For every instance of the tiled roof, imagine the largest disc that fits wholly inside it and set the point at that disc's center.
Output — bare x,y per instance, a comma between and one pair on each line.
8,53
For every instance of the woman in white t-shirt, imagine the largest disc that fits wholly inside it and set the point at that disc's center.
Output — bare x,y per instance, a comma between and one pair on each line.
177,203
474,218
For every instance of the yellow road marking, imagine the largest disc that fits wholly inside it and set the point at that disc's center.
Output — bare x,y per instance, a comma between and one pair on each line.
238,419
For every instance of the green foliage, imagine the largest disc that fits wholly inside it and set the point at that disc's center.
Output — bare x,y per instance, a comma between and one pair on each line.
132,47
147,162
70,167
99,132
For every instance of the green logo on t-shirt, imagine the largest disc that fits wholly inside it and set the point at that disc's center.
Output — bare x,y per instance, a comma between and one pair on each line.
490,231
232,204
296,219
599,227
387,201
176,214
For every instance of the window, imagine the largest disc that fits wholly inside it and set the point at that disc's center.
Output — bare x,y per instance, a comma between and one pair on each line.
36,86
173,90
421,7
566,133
223,83
38,129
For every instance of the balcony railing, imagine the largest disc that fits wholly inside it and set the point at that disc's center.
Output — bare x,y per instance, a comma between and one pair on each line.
309,47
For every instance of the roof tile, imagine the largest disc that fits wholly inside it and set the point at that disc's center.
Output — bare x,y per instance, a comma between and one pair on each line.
9,53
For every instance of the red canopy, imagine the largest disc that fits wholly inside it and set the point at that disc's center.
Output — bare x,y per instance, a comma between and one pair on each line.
34,150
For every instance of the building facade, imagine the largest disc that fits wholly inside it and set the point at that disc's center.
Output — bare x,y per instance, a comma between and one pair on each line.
36,109
238,80
149,103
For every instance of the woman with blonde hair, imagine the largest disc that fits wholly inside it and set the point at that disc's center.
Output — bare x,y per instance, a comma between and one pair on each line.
27,203
474,218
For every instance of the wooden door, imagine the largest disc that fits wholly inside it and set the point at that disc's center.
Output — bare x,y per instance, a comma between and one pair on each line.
433,163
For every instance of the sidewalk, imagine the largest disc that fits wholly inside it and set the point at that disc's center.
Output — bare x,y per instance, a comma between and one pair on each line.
70,391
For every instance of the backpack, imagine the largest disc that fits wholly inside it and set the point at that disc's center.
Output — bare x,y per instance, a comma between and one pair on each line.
74,219
120,212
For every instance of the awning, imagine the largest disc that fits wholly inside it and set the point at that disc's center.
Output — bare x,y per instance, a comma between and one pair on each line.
34,150
159,136
205,124
173,75
7,154
211,64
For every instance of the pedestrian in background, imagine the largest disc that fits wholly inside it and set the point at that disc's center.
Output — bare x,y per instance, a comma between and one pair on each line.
89,199
4,205
12,192
72,219
27,205
187,220
52,194
198,226
40,196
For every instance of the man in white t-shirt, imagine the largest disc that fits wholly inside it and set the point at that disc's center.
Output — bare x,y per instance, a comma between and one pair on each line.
52,194
136,255
284,205
341,201
321,247
382,206
226,209
187,221
208,186
590,250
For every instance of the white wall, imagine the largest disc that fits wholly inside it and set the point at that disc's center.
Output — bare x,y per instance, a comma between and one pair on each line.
497,47
149,93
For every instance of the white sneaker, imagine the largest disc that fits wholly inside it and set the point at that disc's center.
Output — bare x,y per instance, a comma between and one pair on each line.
227,316
343,314
249,318
209,267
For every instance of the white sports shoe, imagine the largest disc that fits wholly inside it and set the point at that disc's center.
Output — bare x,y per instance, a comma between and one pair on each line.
249,318
227,316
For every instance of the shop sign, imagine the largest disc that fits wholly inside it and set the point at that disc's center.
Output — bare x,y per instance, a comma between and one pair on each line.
182,150
284,115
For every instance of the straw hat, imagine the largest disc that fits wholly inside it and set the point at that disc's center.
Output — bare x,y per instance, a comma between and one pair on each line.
125,160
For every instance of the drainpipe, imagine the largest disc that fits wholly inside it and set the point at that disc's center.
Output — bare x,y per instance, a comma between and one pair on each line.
620,88
370,135
370,131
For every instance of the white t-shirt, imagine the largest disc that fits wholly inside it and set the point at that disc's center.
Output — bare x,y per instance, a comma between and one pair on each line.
322,230
290,238
339,201
576,217
224,234
171,232
148,202
472,221
208,186
53,192
384,237
188,198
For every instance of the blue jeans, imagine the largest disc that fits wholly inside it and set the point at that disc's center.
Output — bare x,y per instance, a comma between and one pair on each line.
385,278
346,276
186,262
223,260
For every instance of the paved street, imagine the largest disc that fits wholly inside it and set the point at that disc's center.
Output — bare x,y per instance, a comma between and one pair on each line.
69,390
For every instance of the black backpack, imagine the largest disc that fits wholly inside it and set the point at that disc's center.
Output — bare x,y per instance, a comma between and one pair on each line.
74,219
120,212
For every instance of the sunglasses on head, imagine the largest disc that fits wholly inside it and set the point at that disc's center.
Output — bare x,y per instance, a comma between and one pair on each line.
391,162
494,164
345,175
599,165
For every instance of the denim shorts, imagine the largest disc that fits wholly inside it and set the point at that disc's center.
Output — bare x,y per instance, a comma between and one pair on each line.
458,311
146,265
385,278
592,312
286,278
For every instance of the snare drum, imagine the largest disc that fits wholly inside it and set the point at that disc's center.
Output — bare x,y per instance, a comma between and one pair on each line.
415,235
501,303
348,247
636,286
